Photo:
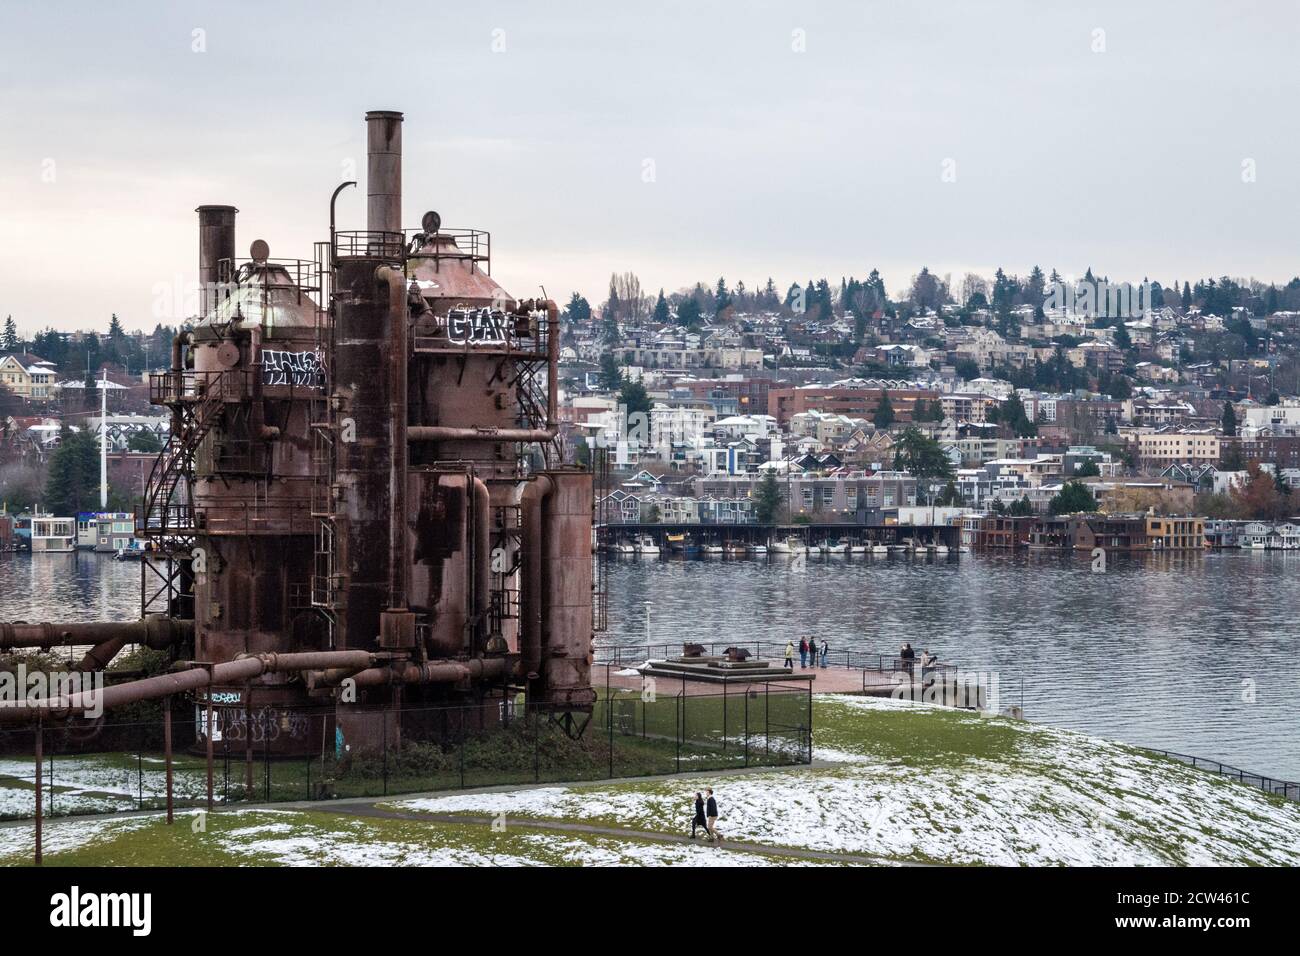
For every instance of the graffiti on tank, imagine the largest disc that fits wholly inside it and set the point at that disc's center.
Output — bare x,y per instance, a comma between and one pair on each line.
268,725
476,327
300,369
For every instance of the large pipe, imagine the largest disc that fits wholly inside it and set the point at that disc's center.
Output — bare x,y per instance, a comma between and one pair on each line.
164,685
429,672
216,242
482,561
384,171
531,597
155,631
397,425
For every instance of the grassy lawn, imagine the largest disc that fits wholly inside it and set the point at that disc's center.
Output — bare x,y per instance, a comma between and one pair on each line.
296,838
894,782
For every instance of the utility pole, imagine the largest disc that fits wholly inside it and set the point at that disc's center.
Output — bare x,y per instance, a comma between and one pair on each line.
103,442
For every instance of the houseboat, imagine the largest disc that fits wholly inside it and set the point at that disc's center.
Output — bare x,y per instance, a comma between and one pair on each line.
646,545
52,534
116,531
87,530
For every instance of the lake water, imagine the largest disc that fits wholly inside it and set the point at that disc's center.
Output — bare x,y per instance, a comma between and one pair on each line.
1195,653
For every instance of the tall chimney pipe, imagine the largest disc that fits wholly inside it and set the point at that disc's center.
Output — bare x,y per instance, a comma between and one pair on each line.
216,242
384,171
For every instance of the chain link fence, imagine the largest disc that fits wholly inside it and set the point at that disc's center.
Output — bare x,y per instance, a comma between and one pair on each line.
271,756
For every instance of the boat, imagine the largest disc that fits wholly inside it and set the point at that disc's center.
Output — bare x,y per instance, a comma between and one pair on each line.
682,544
880,549
623,547
835,547
51,534
940,549
711,548
734,549
133,550
855,548
756,549
646,545
789,545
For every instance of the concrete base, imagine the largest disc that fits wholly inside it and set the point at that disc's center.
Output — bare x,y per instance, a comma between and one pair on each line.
720,670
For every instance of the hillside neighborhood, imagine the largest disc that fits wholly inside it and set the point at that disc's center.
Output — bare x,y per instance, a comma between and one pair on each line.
718,405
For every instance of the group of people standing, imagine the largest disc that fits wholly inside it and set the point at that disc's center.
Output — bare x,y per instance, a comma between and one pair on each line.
809,653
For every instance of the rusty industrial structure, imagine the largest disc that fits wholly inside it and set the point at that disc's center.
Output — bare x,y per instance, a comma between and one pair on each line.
362,509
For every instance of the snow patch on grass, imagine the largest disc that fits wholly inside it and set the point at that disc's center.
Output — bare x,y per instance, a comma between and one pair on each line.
966,789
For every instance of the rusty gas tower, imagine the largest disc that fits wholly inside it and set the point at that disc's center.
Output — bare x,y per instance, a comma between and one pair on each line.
361,509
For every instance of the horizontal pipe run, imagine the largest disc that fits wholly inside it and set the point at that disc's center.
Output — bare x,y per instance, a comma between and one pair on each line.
429,672
451,433
156,632
164,685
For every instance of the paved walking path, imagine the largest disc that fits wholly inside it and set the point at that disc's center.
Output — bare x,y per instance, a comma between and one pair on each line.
374,810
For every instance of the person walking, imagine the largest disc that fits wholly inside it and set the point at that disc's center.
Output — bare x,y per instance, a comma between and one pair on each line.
826,650
803,652
711,813
699,820
789,655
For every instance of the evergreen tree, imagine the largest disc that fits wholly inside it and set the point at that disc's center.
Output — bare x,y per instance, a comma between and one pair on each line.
1072,499
767,499
884,416
611,376
578,309
73,481
10,342
1229,420
634,396
661,314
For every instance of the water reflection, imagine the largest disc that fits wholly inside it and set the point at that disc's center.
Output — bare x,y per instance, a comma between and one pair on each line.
1162,650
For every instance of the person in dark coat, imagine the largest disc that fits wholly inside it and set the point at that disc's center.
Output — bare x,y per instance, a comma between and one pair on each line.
711,813
699,820
803,652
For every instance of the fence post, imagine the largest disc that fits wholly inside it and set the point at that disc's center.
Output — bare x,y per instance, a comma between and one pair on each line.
724,715
461,711
40,734
211,725
225,752
537,733
384,736
248,743
746,726
680,711
266,763
810,725
167,750
767,720
609,718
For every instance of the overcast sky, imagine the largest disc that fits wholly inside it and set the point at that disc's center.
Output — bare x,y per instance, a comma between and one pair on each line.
791,140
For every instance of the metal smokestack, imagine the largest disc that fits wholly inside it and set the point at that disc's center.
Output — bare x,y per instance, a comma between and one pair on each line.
216,242
384,171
